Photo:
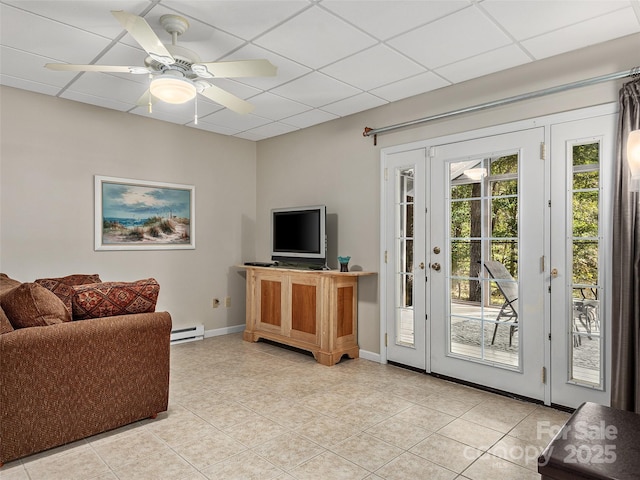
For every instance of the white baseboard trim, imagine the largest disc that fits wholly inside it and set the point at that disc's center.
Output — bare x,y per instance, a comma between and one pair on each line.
374,357
224,331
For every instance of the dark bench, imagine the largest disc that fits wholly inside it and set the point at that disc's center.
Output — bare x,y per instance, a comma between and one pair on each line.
597,442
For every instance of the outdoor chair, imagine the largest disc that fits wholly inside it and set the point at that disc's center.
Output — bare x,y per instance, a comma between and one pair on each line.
585,315
509,289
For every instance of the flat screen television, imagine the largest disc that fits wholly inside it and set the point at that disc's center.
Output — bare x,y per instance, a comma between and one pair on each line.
298,235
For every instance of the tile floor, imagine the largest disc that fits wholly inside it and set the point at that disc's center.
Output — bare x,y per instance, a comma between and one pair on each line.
241,410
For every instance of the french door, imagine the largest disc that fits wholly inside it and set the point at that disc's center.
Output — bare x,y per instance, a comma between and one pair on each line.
486,262
495,252
582,153
407,296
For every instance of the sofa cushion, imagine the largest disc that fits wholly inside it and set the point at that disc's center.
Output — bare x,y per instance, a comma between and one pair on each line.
63,286
7,284
32,305
114,298
5,324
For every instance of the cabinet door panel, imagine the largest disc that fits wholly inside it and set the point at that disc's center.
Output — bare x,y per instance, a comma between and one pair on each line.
270,314
304,308
345,312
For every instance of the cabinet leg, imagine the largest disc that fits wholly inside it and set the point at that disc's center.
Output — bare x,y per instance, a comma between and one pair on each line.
331,359
250,336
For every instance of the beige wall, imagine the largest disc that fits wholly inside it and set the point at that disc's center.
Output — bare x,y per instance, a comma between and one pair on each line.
333,164
50,150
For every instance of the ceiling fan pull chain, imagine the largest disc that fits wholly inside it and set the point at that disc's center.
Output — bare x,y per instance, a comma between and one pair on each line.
195,103
149,93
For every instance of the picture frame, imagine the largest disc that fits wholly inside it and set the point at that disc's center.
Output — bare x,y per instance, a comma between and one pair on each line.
143,215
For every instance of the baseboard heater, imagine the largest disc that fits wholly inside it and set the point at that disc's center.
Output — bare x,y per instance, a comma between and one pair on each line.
187,334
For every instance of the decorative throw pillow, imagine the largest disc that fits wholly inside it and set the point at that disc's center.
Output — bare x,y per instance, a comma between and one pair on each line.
114,298
32,305
5,324
63,286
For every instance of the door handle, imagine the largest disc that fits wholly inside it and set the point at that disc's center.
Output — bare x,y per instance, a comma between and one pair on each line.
436,266
421,265
554,273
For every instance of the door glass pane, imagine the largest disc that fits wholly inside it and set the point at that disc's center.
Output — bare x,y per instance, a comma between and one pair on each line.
404,203
483,286
585,342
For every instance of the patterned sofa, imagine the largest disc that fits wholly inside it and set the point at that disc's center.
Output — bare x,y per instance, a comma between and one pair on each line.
62,380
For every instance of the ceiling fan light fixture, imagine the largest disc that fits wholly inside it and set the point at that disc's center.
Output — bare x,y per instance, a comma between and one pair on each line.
172,89
476,174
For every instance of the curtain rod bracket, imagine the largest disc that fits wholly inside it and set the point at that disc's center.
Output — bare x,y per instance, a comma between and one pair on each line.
366,134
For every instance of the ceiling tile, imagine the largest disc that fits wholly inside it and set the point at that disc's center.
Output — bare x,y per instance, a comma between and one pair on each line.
233,120
316,90
307,119
24,65
245,19
208,43
121,54
320,38
453,38
238,89
525,19
373,68
58,42
106,86
165,116
425,82
287,69
210,127
355,104
267,131
94,16
384,19
275,107
30,85
607,27
110,103
484,64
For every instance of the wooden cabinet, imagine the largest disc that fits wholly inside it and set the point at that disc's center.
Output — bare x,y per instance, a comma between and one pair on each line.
315,310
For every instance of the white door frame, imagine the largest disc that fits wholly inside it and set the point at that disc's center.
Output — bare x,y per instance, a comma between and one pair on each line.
545,121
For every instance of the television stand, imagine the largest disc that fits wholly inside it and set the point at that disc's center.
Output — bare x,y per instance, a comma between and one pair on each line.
314,310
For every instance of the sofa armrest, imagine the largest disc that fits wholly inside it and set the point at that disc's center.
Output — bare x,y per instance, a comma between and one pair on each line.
63,382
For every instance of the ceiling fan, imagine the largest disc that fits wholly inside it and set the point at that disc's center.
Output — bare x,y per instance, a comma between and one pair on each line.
177,73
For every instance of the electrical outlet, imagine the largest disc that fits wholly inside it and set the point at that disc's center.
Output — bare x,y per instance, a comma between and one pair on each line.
216,302
227,302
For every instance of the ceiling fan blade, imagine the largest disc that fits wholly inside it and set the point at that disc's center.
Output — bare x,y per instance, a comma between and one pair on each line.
239,68
227,99
67,67
145,99
144,35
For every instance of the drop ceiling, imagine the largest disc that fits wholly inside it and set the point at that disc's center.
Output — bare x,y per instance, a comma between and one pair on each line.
334,57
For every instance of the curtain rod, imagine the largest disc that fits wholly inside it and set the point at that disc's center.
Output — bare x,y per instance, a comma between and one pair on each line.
634,72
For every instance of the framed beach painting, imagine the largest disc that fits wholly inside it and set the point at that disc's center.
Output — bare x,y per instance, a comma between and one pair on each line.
143,215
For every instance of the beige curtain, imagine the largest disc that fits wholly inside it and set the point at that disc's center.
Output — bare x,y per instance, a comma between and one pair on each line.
625,321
